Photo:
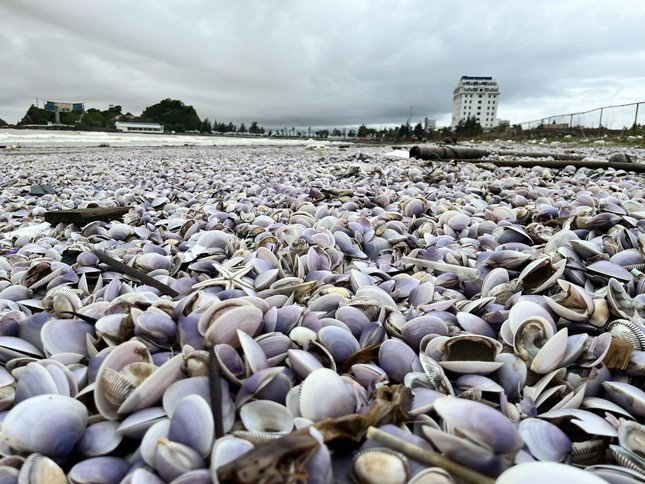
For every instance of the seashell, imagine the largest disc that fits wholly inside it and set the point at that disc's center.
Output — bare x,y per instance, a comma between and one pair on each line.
627,396
34,380
66,336
539,472
136,424
225,450
100,438
589,451
530,336
631,436
100,470
120,231
613,473
192,424
62,301
16,293
628,459
470,354
551,354
499,435
396,358
340,343
435,475
220,322
605,270
275,346
107,397
173,459
627,331
39,469
265,416
303,362
573,303
45,424
415,329
545,441
380,464
325,395
587,421
151,388
464,452
512,374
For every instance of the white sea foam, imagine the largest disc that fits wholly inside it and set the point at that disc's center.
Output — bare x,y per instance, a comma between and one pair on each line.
43,138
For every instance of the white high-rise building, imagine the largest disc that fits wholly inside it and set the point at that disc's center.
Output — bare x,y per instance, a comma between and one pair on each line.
475,97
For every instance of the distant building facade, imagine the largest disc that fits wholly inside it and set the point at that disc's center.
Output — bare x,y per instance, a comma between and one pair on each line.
475,97
429,124
55,106
131,127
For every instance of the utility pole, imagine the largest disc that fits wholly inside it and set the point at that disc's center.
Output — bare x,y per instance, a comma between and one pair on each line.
410,118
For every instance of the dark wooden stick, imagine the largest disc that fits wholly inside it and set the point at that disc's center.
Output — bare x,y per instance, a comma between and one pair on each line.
215,384
137,274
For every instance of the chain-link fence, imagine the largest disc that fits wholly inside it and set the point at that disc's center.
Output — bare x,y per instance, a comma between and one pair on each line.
623,117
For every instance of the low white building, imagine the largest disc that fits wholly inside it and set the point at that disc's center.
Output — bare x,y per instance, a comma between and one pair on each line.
130,127
475,97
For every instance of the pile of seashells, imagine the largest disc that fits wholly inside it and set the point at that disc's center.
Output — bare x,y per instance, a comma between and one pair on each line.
505,307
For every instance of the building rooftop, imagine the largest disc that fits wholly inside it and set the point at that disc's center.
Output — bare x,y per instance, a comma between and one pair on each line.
137,125
480,78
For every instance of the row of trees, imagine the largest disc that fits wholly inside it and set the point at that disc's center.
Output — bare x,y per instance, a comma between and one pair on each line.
177,117
214,127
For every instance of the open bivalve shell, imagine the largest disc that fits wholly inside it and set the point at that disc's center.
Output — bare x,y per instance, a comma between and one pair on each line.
470,353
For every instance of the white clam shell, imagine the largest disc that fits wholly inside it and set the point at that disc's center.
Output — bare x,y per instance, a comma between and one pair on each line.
266,416
192,424
121,356
46,424
541,472
325,395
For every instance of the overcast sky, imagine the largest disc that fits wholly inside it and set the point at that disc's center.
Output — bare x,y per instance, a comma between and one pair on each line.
321,62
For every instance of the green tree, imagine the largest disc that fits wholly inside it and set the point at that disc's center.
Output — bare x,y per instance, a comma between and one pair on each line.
364,131
36,115
469,127
174,115
94,118
418,131
242,128
404,130
254,128
3,122
336,132
351,133
206,126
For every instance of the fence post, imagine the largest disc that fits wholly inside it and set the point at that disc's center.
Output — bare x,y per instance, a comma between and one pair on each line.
635,118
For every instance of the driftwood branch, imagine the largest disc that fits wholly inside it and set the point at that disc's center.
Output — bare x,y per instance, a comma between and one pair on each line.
477,155
137,274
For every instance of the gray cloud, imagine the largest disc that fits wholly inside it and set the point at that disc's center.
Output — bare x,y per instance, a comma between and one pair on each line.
321,63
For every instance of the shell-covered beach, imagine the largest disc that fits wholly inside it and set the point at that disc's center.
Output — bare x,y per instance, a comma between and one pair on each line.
491,316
